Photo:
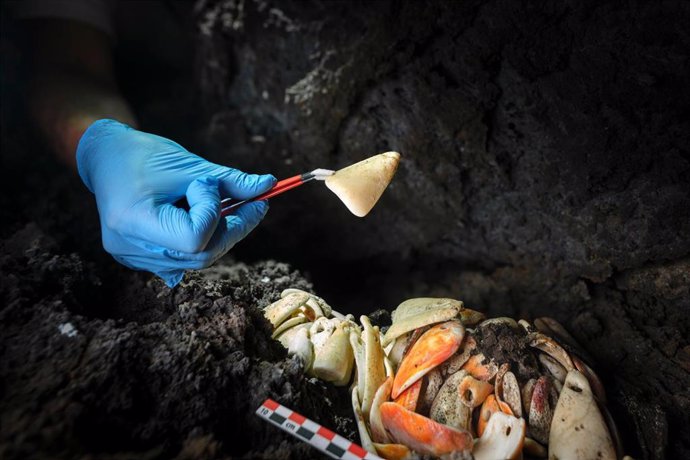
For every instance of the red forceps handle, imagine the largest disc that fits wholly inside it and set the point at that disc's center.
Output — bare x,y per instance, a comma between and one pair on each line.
284,185
280,187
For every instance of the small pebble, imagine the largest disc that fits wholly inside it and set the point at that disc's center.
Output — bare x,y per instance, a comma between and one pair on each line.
67,329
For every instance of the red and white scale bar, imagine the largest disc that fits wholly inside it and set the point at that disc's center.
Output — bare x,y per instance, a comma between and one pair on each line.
308,431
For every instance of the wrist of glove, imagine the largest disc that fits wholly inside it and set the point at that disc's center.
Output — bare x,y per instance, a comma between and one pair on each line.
138,177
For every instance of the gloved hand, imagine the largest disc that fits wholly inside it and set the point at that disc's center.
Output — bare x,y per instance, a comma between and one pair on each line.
137,178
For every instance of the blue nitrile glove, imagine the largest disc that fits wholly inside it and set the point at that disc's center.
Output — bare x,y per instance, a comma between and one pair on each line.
137,178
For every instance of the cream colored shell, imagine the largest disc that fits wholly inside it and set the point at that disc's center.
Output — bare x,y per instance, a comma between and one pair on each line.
578,430
359,186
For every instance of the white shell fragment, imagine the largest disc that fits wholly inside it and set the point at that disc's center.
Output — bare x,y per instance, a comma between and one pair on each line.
416,313
326,309
296,340
378,431
321,330
447,407
578,430
397,348
359,186
283,308
554,368
550,326
334,360
511,393
434,380
510,322
422,305
549,346
459,359
502,439
364,437
375,370
288,324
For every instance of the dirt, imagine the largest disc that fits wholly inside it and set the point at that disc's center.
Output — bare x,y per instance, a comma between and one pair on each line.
183,380
507,345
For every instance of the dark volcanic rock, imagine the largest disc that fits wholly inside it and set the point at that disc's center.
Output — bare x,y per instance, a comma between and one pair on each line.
184,382
545,165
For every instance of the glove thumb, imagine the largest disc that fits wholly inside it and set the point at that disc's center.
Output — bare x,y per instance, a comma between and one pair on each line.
242,186
204,212
180,230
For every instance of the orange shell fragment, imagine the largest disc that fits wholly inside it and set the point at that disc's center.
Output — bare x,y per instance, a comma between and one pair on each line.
473,392
434,347
422,434
491,405
480,367
393,451
408,398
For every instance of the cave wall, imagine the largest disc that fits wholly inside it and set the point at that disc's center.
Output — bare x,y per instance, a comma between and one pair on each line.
545,164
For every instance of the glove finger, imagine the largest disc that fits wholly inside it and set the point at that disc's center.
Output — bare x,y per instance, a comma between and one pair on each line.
127,263
175,228
162,263
233,182
171,277
237,226
158,259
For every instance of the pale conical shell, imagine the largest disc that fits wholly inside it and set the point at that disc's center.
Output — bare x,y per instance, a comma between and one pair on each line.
375,369
578,430
359,186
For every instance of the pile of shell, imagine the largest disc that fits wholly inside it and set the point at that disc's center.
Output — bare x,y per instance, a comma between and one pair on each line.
444,381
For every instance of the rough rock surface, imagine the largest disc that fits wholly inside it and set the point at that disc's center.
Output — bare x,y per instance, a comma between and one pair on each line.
545,165
180,374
